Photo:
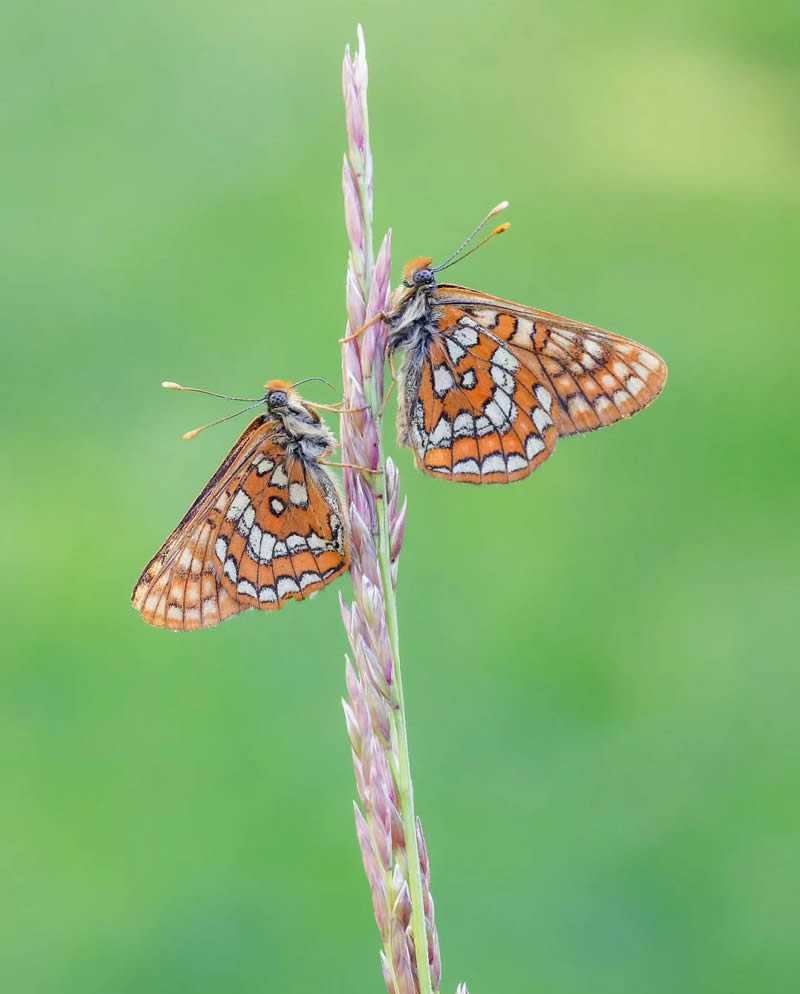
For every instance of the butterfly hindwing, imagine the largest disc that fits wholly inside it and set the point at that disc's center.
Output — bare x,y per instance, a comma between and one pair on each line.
283,537
481,415
266,529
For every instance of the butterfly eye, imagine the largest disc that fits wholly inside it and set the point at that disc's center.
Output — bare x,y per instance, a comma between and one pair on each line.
277,398
424,276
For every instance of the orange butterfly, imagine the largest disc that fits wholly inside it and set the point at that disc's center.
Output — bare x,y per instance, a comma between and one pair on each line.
487,387
267,528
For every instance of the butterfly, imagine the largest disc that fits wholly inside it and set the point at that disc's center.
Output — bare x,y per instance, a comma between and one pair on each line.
487,387
267,528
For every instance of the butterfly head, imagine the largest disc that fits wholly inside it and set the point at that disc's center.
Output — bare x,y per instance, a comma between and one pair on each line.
418,279
282,399
285,403
418,273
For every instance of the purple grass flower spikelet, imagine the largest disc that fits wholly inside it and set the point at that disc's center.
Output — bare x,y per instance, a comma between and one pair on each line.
390,837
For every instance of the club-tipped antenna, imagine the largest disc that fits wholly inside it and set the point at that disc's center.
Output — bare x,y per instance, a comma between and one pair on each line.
318,379
169,385
196,431
495,210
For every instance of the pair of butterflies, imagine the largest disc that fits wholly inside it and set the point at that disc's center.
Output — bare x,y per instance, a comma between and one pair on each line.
486,388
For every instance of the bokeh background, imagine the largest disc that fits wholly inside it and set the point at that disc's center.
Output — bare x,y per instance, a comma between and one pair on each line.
601,662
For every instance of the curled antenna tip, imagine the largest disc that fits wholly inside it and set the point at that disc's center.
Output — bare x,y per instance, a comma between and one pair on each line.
501,228
500,207
169,385
191,434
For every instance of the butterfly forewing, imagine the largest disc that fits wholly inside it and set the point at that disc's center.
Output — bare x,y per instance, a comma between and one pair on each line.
599,377
267,528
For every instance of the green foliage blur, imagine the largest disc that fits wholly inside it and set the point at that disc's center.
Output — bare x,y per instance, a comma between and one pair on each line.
601,662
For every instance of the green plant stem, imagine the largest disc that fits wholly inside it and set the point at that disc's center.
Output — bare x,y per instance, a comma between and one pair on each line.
405,785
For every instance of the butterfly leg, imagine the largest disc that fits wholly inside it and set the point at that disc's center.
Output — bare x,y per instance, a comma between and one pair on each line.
336,408
392,385
348,465
380,316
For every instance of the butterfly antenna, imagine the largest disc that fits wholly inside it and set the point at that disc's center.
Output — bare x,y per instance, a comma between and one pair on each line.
169,385
196,431
318,379
495,210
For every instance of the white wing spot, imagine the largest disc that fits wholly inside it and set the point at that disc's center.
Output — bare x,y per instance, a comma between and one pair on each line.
619,369
308,578
608,381
455,351
254,541
602,403
287,585
316,543
493,464
230,569
503,378
621,397
516,462
238,504
442,434
577,405
279,477
495,414
221,549
464,425
267,595
533,446
266,548
296,543
442,380
650,361
277,505
506,359
298,494
264,466
186,558
634,385
505,403
246,587
465,334
483,426
466,466
468,380
245,522
541,419
593,348
544,397
562,339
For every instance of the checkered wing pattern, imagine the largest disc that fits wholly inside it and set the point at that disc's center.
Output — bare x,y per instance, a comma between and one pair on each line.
598,377
502,382
268,528
481,415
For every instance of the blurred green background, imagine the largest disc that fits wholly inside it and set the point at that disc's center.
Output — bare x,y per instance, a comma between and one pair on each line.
601,662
